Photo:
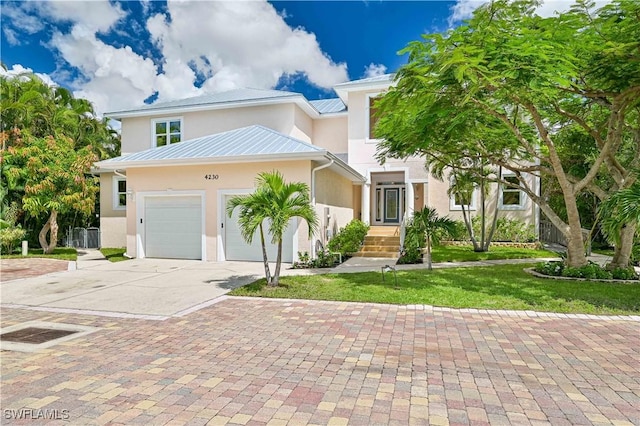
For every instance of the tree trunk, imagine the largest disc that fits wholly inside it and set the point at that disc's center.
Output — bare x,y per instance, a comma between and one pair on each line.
429,263
468,224
483,218
622,253
51,225
276,275
575,244
494,221
267,272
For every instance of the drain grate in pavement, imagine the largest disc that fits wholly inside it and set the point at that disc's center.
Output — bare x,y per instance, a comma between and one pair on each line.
35,335
32,336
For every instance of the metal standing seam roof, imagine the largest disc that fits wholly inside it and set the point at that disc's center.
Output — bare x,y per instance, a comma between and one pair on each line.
376,79
247,141
237,95
329,106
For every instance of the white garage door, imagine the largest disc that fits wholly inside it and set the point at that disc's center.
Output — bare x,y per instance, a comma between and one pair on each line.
173,227
236,248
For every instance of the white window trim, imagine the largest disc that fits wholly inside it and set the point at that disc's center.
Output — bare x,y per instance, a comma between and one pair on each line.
523,200
367,130
116,198
458,207
165,119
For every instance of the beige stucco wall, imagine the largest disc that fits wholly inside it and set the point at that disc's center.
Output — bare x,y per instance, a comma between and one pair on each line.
285,118
331,134
191,178
438,198
334,192
113,228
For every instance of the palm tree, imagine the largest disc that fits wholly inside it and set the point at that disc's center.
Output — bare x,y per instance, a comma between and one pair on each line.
427,223
276,202
619,213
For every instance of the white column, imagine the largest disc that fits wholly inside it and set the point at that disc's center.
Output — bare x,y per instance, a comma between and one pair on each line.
366,203
410,199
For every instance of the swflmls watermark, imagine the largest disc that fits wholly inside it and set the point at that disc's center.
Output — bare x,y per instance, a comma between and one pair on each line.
35,414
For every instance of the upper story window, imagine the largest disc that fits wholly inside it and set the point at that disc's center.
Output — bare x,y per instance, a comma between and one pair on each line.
167,131
372,118
510,197
119,193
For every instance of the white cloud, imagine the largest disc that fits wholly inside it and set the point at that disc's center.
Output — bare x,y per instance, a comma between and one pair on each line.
206,46
374,70
113,78
245,44
18,70
463,9
95,15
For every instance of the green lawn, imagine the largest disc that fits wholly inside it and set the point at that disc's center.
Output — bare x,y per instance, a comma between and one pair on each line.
62,253
114,254
495,287
465,253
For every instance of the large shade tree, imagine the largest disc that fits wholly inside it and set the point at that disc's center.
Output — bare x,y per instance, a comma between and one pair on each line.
31,110
272,206
508,86
55,178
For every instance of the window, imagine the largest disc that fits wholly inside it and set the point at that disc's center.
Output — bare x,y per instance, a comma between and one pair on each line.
167,131
462,198
119,193
372,118
510,197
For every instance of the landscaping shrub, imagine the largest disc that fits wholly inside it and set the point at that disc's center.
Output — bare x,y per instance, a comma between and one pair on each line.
349,239
590,271
10,237
553,268
507,229
324,259
624,274
413,244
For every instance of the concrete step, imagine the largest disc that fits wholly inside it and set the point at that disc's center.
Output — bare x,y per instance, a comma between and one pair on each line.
384,231
373,240
390,255
389,248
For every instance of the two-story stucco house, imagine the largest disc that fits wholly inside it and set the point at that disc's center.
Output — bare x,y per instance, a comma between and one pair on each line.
182,160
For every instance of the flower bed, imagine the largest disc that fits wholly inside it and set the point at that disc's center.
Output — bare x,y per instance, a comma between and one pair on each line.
592,272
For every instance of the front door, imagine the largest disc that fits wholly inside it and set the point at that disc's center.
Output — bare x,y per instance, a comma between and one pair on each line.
391,205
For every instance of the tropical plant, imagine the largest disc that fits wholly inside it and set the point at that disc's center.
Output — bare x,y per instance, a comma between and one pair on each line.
349,239
431,227
10,231
55,178
508,86
620,211
273,204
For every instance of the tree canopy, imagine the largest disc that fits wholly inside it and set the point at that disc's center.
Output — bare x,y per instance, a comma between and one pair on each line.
511,88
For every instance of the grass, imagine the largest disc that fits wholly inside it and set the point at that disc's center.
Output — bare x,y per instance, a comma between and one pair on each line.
606,252
114,254
465,253
62,253
496,287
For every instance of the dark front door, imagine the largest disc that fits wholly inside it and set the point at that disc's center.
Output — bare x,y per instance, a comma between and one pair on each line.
391,205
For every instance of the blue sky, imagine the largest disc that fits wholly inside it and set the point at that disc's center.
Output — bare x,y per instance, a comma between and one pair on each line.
121,54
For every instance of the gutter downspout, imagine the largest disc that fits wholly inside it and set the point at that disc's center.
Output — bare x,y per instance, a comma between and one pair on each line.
313,196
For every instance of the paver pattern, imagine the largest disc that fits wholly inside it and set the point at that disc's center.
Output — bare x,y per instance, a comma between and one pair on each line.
277,362
13,269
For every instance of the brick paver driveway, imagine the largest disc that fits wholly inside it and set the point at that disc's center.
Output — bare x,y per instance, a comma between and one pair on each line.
13,269
258,361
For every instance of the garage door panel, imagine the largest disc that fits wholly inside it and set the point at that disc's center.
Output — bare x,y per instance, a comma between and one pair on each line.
173,227
236,248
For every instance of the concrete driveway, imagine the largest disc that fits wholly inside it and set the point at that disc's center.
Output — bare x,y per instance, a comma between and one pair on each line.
145,288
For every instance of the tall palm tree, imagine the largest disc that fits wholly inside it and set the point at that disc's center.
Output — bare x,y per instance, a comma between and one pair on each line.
276,202
620,212
427,222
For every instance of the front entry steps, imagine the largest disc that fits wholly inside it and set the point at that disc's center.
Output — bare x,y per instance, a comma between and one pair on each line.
381,241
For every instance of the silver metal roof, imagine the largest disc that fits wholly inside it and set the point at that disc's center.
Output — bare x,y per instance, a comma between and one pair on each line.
247,141
230,96
329,106
376,79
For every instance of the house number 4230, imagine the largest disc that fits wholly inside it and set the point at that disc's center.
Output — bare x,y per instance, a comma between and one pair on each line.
211,177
